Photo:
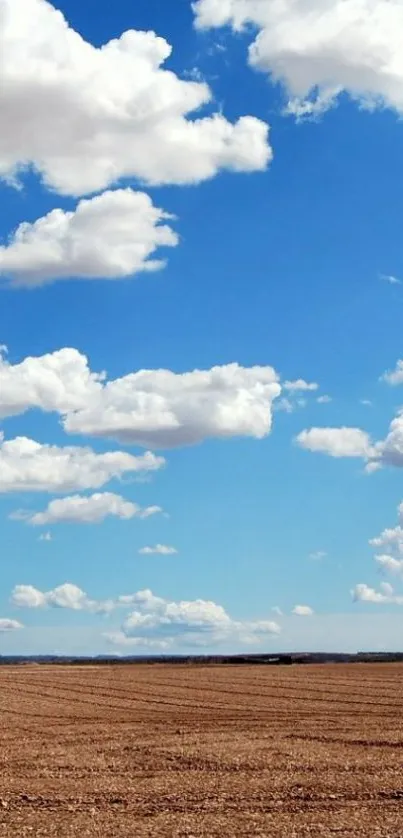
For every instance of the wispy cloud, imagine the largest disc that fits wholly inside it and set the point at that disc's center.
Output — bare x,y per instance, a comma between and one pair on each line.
391,279
300,385
158,549
317,555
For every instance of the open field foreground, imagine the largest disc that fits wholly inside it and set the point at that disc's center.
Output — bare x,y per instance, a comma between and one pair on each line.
129,751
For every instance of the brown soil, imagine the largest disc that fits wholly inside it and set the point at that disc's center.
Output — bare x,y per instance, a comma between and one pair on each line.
132,751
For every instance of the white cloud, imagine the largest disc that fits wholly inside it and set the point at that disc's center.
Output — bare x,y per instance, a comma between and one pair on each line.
9,625
92,509
293,401
148,407
58,381
391,540
155,622
312,109
363,593
197,614
337,442
366,402
392,280
189,623
45,536
67,596
390,450
85,116
285,405
166,409
110,236
317,555
354,442
144,599
302,611
277,610
300,385
324,399
389,564
26,596
158,549
26,465
386,588
394,377
320,48
389,561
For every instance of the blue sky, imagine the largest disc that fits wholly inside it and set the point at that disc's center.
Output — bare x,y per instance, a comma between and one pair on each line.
272,264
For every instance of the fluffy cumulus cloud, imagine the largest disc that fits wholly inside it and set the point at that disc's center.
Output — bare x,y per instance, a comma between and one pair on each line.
394,377
389,564
97,114
320,48
354,442
7,625
385,596
26,465
389,561
166,409
337,442
91,509
64,596
148,407
110,236
58,381
158,550
390,542
186,623
302,611
390,450
153,621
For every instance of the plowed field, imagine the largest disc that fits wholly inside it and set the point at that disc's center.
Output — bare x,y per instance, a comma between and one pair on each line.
127,751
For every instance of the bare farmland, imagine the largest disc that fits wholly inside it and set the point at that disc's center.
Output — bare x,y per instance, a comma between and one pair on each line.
127,751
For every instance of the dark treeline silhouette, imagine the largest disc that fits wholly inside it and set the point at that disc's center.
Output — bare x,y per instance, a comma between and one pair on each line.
208,660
